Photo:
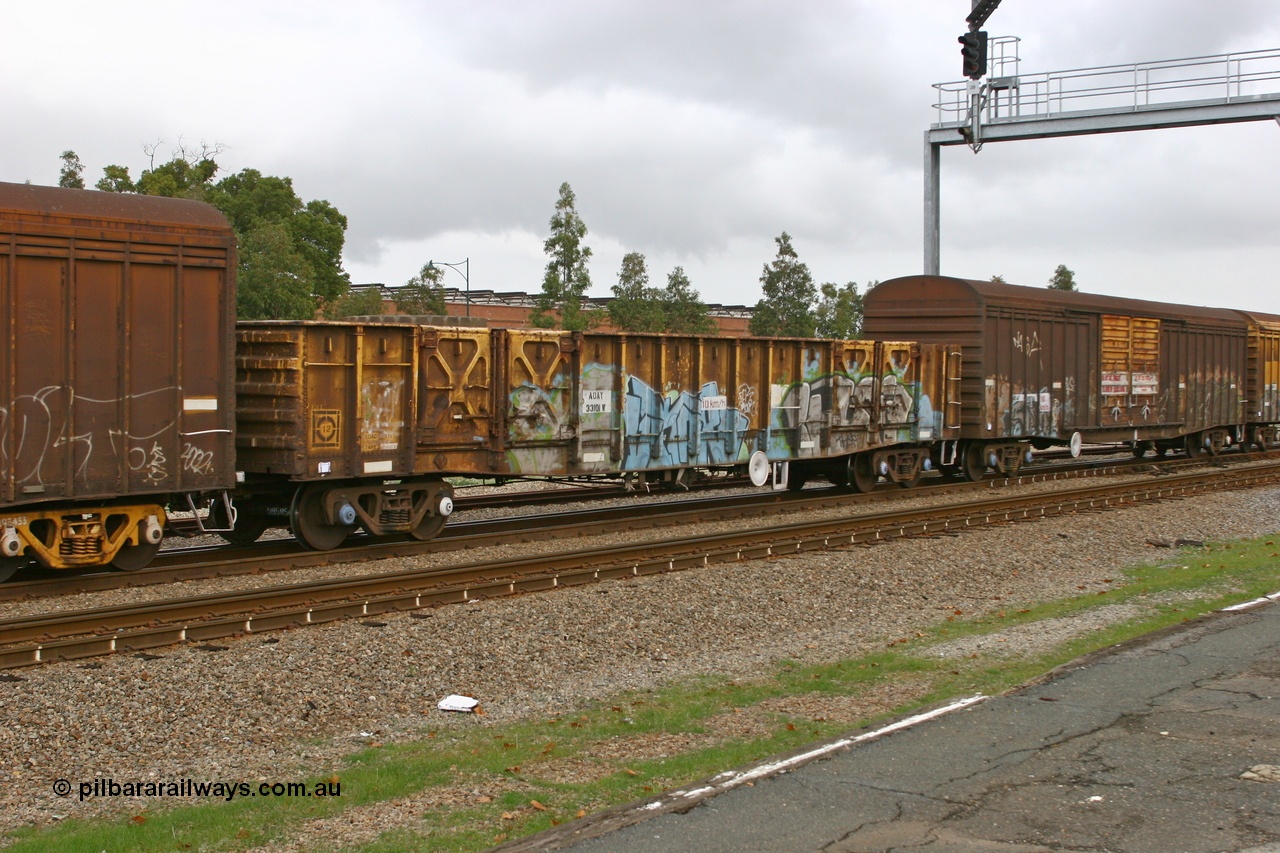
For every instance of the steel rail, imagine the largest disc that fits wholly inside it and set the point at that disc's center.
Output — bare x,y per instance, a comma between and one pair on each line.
213,561
219,615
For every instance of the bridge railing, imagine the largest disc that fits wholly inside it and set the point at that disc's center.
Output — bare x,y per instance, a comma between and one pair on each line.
1115,88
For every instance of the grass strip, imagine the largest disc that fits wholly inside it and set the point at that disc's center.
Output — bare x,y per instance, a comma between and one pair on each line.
471,787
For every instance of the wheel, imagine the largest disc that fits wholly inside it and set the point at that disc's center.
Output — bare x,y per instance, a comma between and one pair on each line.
306,519
862,476
250,524
429,528
10,565
130,558
1192,445
1162,451
1139,449
974,464
1258,438
796,481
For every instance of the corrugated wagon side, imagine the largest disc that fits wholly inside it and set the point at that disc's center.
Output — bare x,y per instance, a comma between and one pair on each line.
115,380
1045,367
327,419
1262,396
659,408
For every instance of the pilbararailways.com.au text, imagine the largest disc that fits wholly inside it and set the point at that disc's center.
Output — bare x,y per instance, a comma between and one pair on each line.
190,788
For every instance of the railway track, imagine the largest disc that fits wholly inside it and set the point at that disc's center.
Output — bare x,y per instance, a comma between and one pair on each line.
132,628
212,561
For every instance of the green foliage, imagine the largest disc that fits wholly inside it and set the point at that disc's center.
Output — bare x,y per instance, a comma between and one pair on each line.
356,302
72,174
566,280
787,307
115,179
422,294
179,178
274,280
636,307
1062,279
686,312
839,311
290,253
998,279
316,230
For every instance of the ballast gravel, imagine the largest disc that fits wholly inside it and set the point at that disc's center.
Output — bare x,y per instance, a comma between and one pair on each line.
290,705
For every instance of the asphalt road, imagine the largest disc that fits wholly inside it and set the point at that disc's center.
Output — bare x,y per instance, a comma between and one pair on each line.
1144,748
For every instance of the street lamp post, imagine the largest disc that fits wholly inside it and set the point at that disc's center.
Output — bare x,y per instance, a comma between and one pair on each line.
465,272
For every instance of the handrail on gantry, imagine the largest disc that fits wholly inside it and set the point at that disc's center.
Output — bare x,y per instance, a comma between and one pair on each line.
1224,78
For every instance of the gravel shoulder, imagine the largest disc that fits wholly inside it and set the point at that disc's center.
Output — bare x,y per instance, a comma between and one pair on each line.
289,705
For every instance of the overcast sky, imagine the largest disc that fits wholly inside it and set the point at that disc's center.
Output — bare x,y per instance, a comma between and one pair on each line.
694,132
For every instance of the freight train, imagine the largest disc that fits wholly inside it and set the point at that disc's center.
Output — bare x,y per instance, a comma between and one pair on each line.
132,405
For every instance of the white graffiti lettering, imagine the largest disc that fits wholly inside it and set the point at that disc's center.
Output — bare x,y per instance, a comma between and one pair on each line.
746,400
196,461
1027,344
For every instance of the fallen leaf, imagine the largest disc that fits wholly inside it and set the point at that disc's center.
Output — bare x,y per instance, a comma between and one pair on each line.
537,805
581,813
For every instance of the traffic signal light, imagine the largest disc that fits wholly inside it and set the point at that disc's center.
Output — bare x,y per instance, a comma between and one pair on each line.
973,48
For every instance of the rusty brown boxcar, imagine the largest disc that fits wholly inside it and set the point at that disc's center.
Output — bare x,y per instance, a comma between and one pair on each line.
1046,367
346,425
115,378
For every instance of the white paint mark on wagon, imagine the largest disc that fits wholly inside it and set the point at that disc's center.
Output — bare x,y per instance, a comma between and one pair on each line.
596,402
714,403
199,404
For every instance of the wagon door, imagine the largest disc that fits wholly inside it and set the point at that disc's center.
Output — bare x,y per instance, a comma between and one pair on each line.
599,415
386,389
455,380
540,422
855,396
722,430
1130,371
898,368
